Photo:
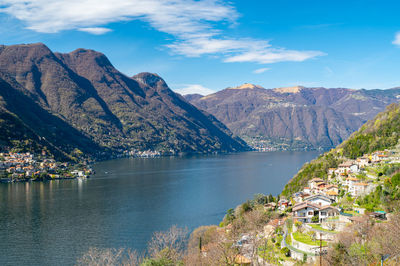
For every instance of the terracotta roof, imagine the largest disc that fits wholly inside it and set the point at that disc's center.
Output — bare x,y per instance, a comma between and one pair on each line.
319,196
352,179
303,205
332,193
329,207
331,186
346,164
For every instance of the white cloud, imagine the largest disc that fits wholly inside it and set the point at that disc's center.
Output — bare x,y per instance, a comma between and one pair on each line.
95,30
190,22
194,88
260,70
397,39
269,56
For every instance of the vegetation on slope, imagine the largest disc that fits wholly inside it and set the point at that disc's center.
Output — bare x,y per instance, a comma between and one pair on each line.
378,134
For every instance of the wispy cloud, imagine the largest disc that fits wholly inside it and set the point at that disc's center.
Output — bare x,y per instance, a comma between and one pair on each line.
397,39
260,70
194,88
192,23
95,30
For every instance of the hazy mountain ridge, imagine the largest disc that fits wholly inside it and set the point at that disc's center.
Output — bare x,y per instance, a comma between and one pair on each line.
107,109
299,116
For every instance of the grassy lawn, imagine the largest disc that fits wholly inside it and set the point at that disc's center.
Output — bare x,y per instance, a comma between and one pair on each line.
306,239
319,227
334,218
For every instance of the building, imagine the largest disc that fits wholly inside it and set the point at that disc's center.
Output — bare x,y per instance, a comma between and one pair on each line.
304,211
319,200
358,189
326,212
313,183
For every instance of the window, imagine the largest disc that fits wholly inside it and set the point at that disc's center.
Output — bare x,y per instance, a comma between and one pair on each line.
310,213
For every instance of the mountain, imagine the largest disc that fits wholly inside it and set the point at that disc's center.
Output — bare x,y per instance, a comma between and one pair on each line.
294,117
80,101
377,134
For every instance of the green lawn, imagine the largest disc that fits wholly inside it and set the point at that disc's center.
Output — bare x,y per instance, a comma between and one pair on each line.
306,239
319,227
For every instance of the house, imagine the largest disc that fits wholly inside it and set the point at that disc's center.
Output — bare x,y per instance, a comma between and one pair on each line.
347,167
326,212
344,167
363,161
332,188
319,200
299,196
283,204
304,211
313,182
350,181
332,194
358,189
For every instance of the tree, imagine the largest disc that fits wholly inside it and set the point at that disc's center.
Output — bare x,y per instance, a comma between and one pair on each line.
109,256
315,219
169,245
286,251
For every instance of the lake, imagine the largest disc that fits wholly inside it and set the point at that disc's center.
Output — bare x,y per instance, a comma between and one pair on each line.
128,199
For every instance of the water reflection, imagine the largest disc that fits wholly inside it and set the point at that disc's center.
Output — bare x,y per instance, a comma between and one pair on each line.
128,199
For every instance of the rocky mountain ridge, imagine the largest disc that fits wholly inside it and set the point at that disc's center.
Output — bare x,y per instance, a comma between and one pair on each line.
105,111
294,117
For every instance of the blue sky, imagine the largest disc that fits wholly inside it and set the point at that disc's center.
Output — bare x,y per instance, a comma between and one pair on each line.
208,45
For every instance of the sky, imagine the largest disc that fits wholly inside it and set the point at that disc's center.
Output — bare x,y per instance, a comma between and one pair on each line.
202,46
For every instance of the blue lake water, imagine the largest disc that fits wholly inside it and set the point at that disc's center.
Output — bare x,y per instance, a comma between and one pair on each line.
128,199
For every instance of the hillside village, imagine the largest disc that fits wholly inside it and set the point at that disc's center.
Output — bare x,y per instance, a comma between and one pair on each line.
22,167
326,207
300,228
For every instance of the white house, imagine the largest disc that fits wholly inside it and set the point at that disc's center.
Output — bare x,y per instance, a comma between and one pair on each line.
326,212
347,167
363,161
313,183
358,189
350,181
304,211
319,200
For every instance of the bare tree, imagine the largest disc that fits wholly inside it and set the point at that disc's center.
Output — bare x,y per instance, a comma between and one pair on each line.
168,245
110,256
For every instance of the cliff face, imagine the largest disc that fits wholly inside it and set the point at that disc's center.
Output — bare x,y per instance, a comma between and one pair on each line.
309,117
98,109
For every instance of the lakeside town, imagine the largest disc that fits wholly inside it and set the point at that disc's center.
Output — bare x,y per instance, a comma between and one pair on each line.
302,227
23,167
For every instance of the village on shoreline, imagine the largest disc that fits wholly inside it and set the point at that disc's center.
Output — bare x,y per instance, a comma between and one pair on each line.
25,167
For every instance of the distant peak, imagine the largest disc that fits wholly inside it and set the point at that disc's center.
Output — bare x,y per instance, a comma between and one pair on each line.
90,56
150,79
294,89
247,86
